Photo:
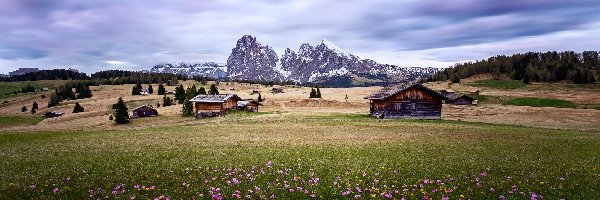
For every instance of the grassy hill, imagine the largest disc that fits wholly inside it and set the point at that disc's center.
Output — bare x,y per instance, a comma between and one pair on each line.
296,156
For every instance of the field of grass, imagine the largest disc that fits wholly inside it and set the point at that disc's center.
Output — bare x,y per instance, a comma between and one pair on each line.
499,84
299,156
487,99
540,102
16,120
7,88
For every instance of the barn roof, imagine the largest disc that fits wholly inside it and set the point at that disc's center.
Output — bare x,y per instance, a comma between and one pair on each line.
393,90
454,96
217,98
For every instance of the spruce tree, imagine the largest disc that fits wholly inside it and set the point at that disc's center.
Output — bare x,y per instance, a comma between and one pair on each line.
201,90
187,109
260,99
161,89
191,92
166,101
318,94
54,100
180,94
158,105
150,89
23,109
121,113
313,93
213,89
136,90
78,108
35,106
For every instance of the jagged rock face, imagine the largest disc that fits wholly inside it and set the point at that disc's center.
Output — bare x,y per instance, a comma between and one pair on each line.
208,69
250,60
327,60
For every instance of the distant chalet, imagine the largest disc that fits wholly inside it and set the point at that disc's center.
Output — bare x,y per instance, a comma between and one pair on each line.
214,105
144,111
458,99
409,100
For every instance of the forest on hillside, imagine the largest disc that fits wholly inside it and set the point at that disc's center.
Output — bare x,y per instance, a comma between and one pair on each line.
551,66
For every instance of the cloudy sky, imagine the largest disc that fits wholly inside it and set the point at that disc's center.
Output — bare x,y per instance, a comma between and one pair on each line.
94,35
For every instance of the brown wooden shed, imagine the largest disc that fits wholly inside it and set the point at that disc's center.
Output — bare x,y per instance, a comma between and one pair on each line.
459,99
408,100
212,105
144,111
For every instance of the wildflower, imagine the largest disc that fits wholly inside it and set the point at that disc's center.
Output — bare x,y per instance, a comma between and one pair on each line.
291,190
501,197
273,196
136,187
33,186
492,190
445,198
357,196
561,178
269,163
313,195
55,190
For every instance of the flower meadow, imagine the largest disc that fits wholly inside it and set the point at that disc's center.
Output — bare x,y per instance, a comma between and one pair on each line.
303,157
277,181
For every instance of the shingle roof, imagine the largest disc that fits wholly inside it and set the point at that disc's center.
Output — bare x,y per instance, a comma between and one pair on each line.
219,98
143,106
393,90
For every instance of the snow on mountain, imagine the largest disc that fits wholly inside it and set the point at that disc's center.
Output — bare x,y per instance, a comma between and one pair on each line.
208,69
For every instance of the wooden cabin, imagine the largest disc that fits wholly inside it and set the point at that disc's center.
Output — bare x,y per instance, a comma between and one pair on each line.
277,90
460,99
213,105
144,111
248,105
409,100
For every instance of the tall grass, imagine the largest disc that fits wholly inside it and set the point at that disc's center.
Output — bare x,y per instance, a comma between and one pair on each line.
540,102
499,84
15,120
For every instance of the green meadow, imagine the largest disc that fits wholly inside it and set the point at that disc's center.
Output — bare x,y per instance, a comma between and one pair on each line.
301,156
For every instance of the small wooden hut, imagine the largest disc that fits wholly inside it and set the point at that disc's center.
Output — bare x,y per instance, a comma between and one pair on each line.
213,105
248,105
144,111
409,100
277,90
458,99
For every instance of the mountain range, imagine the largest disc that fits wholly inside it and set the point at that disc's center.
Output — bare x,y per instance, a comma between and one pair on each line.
324,63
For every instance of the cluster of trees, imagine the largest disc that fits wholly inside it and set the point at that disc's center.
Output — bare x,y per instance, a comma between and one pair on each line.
54,74
137,89
315,93
34,108
266,83
119,77
65,92
551,66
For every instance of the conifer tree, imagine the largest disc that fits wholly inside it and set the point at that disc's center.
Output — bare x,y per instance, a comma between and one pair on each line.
78,108
213,89
34,106
187,109
23,109
313,93
201,90
180,94
161,89
166,101
260,99
54,100
121,113
191,92
136,90
318,93
150,89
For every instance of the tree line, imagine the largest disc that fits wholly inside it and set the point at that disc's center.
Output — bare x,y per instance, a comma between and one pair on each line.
53,74
70,91
550,66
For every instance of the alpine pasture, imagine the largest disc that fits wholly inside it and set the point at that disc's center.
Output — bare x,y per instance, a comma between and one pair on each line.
301,148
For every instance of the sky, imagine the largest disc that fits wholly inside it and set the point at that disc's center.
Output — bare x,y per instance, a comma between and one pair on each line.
95,35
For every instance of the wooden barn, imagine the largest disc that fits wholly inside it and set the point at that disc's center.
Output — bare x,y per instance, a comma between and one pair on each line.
248,105
213,105
460,99
409,100
277,90
144,111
